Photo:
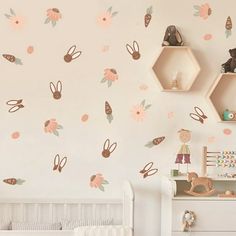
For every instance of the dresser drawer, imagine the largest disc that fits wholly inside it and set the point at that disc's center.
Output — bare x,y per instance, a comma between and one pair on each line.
211,216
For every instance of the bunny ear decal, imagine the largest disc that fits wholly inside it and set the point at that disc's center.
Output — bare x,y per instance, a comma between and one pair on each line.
107,149
106,145
72,54
58,163
71,50
134,51
76,55
56,90
52,87
59,86
136,46
129,49
113,147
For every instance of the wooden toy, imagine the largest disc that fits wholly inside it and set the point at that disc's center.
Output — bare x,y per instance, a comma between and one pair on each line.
224,159
200,181
184,152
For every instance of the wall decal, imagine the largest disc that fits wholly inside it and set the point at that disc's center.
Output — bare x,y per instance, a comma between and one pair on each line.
108,111
84,117
51,126
30,49
14,181
97,181
143,87
134,51
138,112
17,22
12,59
184,151
105,19
148,16
108,149
105,48
15,135
211,139
155,142
228,27
148,170
204,11
15,104
59,163
170,115
53,16
56,90
198,115
207,37
110,76
227,131
72,54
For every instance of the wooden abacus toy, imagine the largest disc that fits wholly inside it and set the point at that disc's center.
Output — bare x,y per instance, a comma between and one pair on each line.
217,159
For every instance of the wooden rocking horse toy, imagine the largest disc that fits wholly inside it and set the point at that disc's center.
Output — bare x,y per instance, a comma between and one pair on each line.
200,181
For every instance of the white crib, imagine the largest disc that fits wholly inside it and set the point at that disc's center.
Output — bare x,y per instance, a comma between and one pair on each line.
121,211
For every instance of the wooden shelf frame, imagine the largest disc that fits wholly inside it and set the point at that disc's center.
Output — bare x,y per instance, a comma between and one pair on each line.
221,95
172,60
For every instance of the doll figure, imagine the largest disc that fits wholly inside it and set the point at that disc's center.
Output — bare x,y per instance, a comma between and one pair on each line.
184,152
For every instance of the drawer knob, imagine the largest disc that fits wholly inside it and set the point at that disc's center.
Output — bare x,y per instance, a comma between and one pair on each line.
188,220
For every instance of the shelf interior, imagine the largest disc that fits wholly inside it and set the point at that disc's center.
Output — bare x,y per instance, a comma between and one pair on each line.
174,61
223,95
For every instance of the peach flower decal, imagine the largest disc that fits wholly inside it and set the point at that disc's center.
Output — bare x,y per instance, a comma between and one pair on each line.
97,181
138,112
17,22
105,19
110,76
51,126
53,15
203,10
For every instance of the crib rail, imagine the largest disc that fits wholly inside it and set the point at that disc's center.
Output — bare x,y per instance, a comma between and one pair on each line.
121,210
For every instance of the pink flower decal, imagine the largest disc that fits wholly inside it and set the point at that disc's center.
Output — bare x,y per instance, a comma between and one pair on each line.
51,126
110,76
17,22
105,19
207,37
15,135
53,16
203,11
97,181
138,112
227,131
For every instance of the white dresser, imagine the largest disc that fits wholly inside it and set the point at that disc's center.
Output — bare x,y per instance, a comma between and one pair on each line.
215,216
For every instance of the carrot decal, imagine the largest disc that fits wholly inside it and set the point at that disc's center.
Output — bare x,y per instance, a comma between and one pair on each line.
148,16
228,27
14,181
12,59
155,142
108,111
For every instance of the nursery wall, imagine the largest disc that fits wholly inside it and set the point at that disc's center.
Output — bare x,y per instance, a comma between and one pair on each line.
30,138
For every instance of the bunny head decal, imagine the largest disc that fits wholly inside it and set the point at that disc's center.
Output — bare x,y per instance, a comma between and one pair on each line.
56,90
133,51
108,149
72,54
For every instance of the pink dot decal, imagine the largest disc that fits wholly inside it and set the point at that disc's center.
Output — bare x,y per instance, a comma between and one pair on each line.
15,135
30,49
207,37
84,117
227,131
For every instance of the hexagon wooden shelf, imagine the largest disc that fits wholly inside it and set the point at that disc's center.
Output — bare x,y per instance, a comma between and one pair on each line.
178,61
221,96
